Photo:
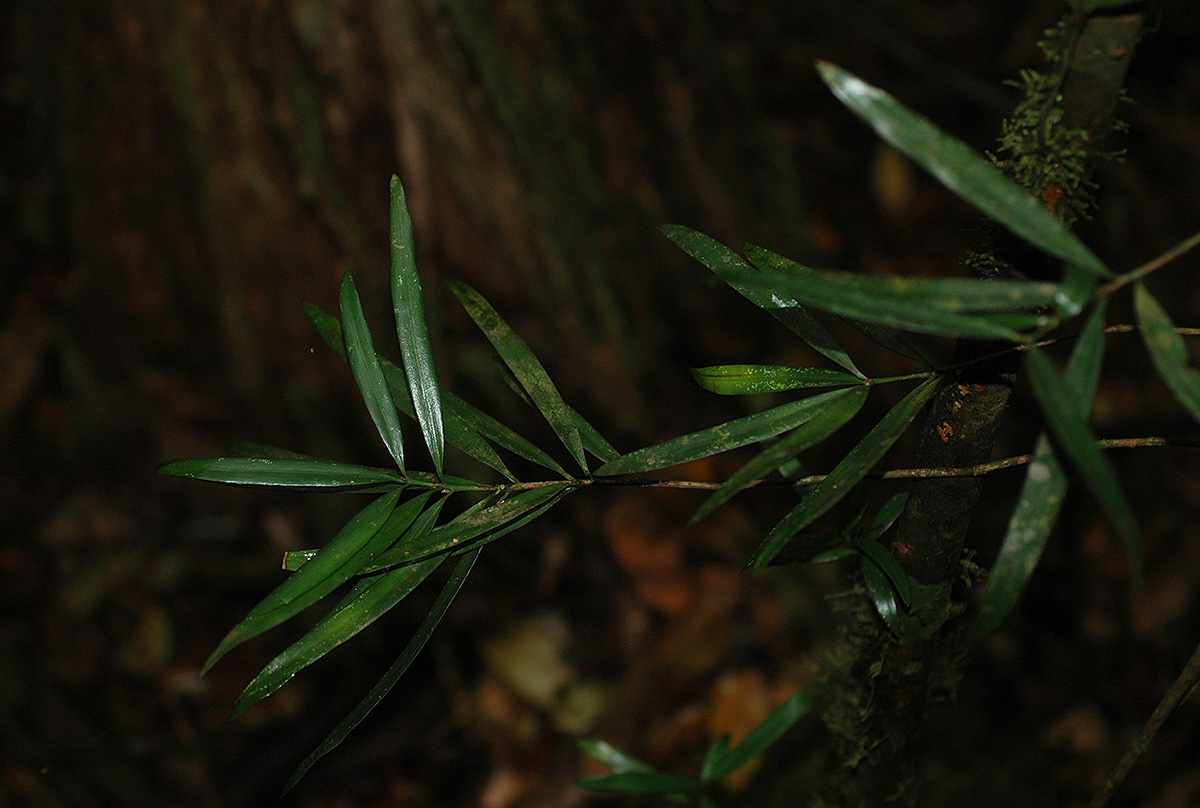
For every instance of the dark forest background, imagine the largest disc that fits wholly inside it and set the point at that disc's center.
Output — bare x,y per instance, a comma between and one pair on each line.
176,177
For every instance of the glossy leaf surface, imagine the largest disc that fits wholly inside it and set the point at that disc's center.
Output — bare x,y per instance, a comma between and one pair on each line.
287,473
368,375
612,757
723,437
1070,429
960,169
356,544
847,474
1167,350
409,307
721,259
385,685
830,419
737,380
474,527
370,598
526,368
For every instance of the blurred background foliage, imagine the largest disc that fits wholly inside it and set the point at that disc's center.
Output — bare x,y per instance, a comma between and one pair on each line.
175,177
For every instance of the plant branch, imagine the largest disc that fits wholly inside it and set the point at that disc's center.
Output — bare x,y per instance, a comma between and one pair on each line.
1179,691
1150,266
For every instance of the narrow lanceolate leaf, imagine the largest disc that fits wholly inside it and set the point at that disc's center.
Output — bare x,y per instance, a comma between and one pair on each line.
837,292
476,527
762,736
287,473
960,169
612,757
1168,351
385,685
458,432
1041,495
415,349
960,295
638,783
736,380
593,441
721,259
878,555
883,596
503,436
368,375
345,555
525,367
1070,429
371,597
847,474
844,406
723,437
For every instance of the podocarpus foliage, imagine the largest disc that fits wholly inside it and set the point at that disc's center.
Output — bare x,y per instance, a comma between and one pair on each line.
420,519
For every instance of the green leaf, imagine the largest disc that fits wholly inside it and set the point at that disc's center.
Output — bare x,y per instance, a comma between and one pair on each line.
475,528
593,441
960,295
1041,495
762,736
891,338
887,563
887,515
458,432
717,751
883,597
1167,350
284,472
840,408
370,598
956,166
638,783
503,436
384,686
736,380
1070,429
356,544
723,437
613,758
839,292
295,559
525,367
721,259
847,474
415,349
368,375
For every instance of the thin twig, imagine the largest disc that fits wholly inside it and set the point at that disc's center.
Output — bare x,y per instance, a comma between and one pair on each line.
1145,269
893,474
1179,691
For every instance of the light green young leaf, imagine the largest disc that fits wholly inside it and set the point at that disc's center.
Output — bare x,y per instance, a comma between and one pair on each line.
1070,429
286,473
1167,350
385,685
844,406
368,375
370,598
525,367
415,348
473,529
736,380
847,474
762,736
355,545
723,437
956,166
721,259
